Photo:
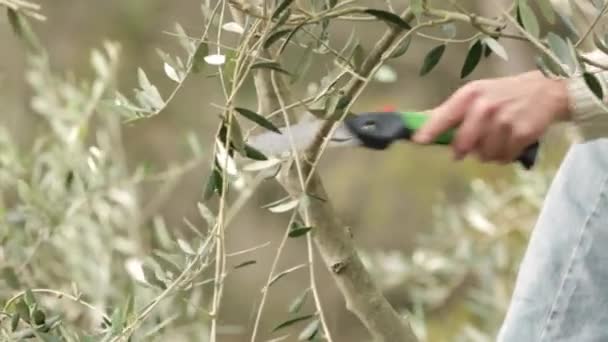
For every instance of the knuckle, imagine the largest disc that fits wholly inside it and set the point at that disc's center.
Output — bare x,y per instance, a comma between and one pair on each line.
504,121
524,133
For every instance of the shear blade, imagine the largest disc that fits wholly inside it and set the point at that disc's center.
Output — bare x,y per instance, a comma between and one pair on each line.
300,136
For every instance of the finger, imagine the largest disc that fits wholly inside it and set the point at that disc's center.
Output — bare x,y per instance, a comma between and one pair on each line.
446,116
472,129
521,137
494,146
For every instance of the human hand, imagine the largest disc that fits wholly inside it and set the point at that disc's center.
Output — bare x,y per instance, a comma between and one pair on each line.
498,118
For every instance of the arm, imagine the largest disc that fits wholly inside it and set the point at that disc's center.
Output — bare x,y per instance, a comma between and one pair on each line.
498,118
585,111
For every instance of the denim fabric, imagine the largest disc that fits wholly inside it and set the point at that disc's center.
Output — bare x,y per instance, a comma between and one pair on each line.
561,293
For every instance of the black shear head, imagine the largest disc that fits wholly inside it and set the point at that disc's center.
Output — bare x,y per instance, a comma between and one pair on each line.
378,130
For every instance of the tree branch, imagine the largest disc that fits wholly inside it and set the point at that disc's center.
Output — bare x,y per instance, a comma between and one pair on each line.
331,237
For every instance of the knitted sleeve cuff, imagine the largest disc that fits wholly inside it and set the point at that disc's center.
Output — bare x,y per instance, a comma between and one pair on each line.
588,114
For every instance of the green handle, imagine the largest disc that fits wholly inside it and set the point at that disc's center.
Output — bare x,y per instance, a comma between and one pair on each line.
415,120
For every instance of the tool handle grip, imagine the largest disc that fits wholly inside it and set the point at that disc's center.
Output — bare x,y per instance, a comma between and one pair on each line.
380,130
415,120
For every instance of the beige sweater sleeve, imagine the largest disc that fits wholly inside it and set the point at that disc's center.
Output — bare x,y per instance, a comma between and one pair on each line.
587,112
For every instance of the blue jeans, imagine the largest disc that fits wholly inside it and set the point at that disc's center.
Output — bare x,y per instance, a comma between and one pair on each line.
561,293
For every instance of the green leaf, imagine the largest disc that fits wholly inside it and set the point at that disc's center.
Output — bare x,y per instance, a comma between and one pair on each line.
283,207
292,321
10,277
594,84
284,273
311,330
236,135
402,48
29,298
214,184
298,230
22,29
23,310
165,264
198,59
417,7
432,59
472,59
280,8
389,17
298,302
561,48
245,264
257,118
528,18
15,321
117,321
185,247
151,277
38,317
270,65
272,38
253,153
291,34
492,45
547,10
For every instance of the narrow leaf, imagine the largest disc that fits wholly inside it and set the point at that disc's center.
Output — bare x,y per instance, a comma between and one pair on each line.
594,84
299,301
185,247
15,321
284,273
171,73
402,48
472,59
257,118
389,17
166,264
272,38
281,208
151,277
280,8
310,331
547,10
291,34
494,46
561,49
245,264
292,321
432,59
528,18
253,153
298,230
198,59
233,27
214,184
270,65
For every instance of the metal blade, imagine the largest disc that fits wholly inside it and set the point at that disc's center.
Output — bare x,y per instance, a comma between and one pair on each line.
303,134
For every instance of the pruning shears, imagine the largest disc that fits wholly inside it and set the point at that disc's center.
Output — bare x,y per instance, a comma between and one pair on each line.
373,130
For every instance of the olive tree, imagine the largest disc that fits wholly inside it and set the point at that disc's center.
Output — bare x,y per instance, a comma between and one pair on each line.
72,217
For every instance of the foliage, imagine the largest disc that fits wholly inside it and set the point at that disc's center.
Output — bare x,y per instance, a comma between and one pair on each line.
85,257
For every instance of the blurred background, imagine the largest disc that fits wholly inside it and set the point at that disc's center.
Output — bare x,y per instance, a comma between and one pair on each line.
388,199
